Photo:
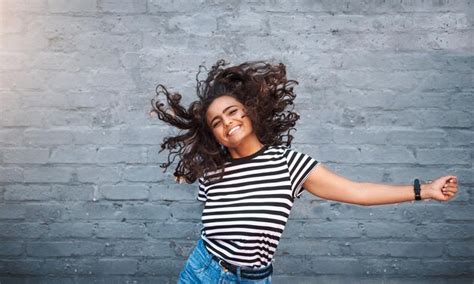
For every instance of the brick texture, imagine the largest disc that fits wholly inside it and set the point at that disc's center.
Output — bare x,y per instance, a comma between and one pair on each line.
385,95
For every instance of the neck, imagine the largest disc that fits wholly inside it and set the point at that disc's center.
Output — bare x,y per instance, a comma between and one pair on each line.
245,149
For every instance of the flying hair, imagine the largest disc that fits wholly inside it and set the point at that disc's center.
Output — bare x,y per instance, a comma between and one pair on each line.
261,87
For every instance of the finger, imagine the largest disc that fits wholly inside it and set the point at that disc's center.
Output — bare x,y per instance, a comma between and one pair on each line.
446,191
451,189
445,197
450,185
449,178
453,181
449,194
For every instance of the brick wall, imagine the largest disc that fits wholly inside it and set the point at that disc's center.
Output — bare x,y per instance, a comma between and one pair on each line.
385,95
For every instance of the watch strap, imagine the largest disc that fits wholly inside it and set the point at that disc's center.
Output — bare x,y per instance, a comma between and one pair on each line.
417,189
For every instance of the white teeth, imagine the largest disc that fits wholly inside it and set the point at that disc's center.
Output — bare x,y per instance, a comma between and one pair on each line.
233,130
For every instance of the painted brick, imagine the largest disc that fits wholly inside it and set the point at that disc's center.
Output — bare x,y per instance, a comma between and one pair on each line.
173,192
11,136
12,211
47,137
121,230
25,155
169,266
135,6
71,230
31,230
94,174
109,155
48,174
444,156
89,211
174,6
11,174
73,155
143,174
116,266
62,6
324,230
443,267
128,248
96,137
14,248
398,249
46,192
461,249
61,249
311,247
384,94
21,266
124,192
459,213
143,136
140,211
186,211
181,230
24,6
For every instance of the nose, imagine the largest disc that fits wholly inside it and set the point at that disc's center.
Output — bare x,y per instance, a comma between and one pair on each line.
227,121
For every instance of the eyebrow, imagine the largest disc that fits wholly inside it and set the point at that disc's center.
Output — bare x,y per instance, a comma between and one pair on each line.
215,117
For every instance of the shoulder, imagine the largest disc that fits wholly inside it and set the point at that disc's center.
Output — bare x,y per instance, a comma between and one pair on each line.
283,150
277,148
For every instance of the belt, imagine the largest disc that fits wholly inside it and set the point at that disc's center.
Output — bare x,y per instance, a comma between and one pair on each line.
245,272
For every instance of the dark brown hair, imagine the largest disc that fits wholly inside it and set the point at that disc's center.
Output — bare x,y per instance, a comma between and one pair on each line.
261,87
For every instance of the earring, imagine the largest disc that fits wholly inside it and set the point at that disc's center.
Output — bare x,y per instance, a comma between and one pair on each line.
222,147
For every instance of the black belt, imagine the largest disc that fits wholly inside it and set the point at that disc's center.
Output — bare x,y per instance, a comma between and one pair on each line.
245,272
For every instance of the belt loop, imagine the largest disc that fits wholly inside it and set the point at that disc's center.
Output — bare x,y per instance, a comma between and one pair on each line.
238,274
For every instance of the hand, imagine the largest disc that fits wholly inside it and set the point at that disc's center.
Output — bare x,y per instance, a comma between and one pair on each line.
443,188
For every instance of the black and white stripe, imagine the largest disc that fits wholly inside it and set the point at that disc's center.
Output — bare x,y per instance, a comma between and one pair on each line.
245,212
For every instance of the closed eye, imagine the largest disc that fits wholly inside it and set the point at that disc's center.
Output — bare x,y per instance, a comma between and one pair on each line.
230,113
215,124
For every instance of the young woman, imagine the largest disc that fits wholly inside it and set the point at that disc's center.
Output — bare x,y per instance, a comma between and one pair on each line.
236,143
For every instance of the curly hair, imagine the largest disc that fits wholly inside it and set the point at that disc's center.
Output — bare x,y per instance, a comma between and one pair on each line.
261,87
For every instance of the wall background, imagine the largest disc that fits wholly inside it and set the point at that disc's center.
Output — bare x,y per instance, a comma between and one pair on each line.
385,95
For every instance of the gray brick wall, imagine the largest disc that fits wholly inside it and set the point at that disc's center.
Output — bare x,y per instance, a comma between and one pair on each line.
385,95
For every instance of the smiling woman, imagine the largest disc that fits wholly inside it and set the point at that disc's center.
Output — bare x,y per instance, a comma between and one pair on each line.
248,177
262,96
232,127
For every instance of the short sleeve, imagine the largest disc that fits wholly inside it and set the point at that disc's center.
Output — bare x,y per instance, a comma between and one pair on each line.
201,192
299,167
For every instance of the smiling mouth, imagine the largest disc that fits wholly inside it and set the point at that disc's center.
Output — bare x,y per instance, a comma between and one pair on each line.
233,130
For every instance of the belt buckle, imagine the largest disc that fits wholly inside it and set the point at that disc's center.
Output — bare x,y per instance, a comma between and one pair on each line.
220,263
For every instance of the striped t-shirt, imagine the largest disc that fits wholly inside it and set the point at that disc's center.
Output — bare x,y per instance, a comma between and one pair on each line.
245,212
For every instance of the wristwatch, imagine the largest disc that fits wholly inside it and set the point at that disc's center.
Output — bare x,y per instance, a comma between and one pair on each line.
417,188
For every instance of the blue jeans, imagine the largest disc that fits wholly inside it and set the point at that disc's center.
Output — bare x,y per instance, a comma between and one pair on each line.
201,268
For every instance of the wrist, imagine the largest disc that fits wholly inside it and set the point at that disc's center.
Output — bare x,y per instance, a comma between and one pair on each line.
425,192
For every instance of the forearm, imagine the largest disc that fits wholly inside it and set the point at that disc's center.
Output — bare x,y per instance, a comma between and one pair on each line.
377,194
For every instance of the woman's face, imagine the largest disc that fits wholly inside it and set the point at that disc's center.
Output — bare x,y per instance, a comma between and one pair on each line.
229,122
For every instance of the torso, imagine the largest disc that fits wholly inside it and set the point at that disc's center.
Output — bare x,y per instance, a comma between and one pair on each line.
246,212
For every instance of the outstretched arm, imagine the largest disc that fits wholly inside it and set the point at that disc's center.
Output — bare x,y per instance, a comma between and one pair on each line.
325,184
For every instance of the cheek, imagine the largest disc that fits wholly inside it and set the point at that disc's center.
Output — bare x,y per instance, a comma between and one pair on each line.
247,120
217,132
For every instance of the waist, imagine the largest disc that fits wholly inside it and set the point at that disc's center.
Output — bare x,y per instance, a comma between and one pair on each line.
243,271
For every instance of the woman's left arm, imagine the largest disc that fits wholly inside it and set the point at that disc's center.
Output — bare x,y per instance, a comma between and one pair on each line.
325,184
